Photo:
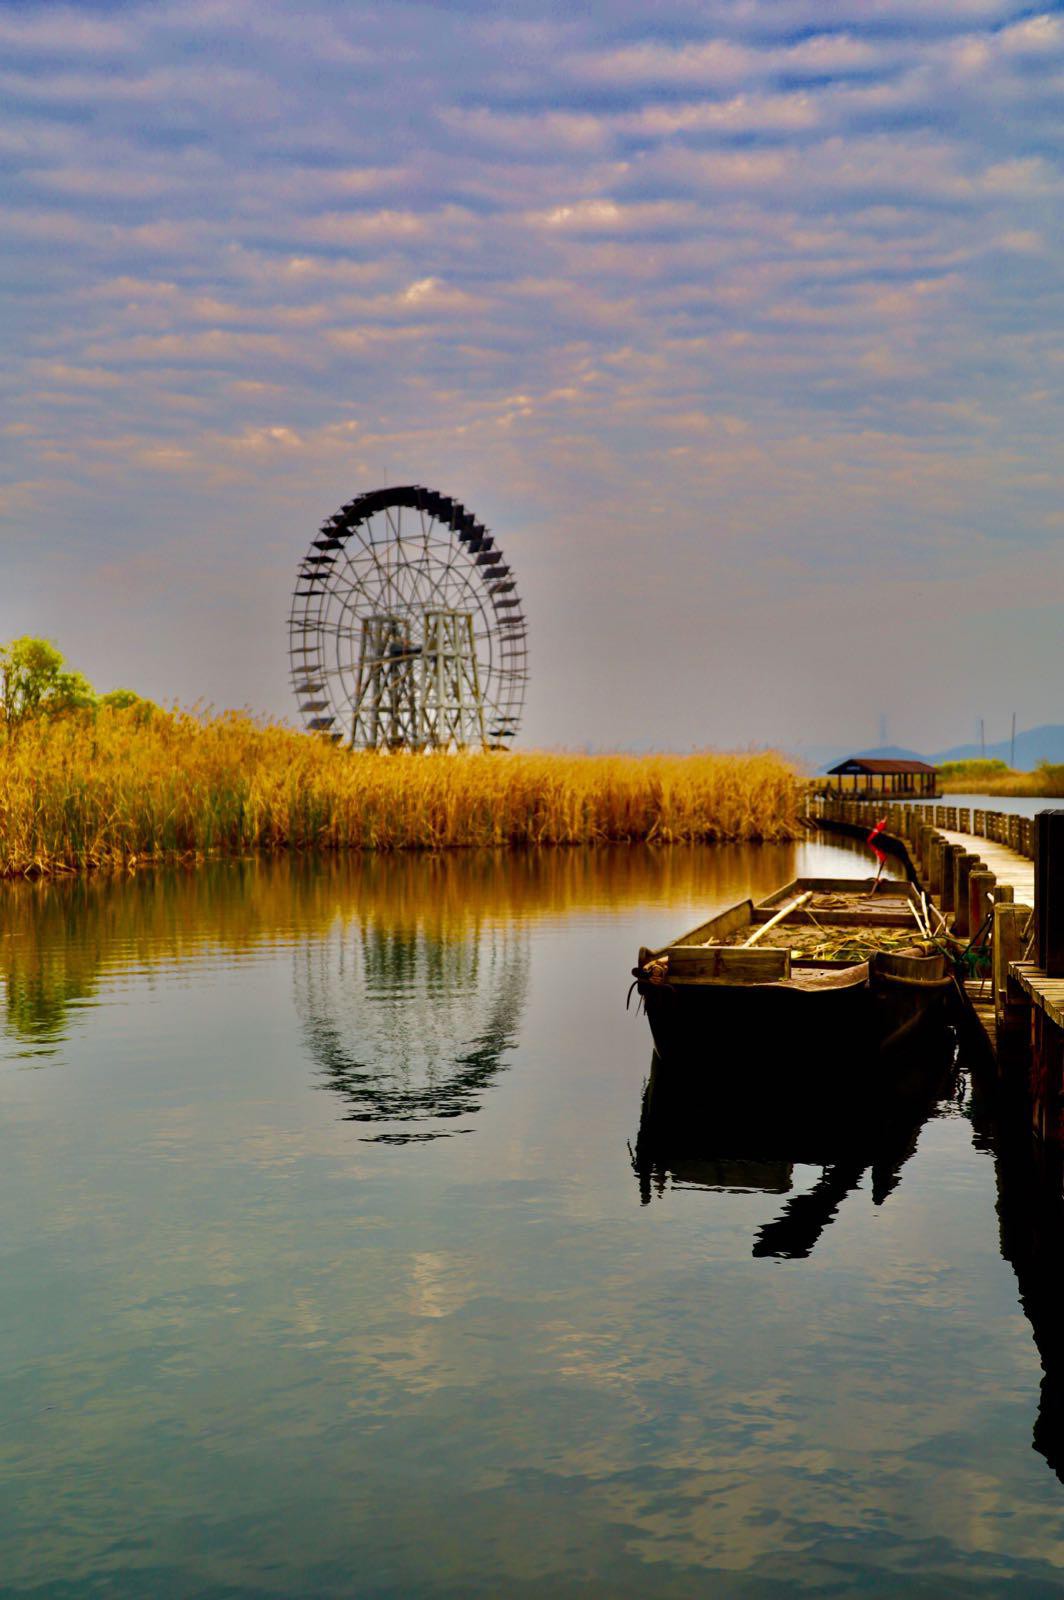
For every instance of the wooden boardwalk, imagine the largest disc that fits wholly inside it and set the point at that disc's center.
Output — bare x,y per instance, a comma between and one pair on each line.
978,868
1007,865
1016,872
1045,993
984,871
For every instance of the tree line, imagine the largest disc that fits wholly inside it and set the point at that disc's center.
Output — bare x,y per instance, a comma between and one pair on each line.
35,681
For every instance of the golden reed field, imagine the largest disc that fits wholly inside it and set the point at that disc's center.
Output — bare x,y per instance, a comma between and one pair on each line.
112,788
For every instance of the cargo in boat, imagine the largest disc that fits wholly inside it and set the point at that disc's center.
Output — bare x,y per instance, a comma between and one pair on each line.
822,965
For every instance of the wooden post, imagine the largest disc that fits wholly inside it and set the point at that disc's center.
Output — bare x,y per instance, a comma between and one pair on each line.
963,866
980,900
952,851
1009,923
932,836
959,901
935,849
1049,892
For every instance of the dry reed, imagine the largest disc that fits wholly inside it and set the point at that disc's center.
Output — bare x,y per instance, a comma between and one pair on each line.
112,789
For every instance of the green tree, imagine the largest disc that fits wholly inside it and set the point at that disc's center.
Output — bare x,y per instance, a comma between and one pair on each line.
120,699
129,700
35,681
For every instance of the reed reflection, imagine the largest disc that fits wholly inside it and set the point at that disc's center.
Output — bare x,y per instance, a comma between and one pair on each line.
60,937
694,1137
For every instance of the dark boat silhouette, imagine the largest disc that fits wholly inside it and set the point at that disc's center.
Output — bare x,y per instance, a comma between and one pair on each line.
743,1141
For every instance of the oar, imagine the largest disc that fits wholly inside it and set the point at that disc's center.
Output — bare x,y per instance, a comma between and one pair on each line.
795,905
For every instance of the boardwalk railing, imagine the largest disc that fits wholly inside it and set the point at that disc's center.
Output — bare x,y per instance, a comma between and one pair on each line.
1003,827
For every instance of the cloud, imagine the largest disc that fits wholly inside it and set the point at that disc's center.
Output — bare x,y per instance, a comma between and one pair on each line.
64,31
783,287
80,377
354,227
723,61
603,215
214,346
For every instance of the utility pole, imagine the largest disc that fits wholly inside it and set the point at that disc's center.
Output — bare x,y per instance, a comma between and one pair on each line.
1012,743
982,739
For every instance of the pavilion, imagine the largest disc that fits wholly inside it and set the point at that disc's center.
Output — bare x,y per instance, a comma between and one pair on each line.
871,778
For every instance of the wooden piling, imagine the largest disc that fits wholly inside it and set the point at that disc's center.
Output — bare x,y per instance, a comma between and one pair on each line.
949,876
1049,892
963,866
1007,944
980,903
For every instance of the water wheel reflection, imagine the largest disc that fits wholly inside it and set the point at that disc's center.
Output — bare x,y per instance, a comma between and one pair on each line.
412,1024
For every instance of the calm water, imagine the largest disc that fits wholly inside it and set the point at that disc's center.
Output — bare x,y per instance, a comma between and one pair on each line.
1020,805
336,1262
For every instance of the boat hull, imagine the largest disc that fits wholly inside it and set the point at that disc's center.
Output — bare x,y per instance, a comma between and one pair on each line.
709,1026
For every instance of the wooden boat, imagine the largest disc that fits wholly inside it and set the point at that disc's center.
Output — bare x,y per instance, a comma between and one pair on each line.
839,964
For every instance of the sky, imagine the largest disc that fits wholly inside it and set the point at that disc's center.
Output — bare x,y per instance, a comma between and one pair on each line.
738,322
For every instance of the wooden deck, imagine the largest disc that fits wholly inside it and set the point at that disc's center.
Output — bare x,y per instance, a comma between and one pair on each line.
1046,993
1008,866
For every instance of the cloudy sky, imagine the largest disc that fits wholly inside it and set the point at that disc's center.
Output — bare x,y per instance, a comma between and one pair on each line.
738,321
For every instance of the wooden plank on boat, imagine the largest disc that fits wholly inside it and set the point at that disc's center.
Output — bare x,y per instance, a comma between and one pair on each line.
852,918
857,905
728,964
889,889
718,927
780,916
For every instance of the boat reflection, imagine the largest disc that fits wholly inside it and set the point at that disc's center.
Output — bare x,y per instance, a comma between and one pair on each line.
690,1137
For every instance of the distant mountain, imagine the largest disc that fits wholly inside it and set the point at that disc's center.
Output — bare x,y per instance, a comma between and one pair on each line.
823,757
886,752
1032,746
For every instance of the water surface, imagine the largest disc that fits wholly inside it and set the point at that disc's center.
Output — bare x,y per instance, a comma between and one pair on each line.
337,1262
1020,805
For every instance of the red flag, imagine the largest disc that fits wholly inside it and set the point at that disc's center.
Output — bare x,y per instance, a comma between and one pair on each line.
872,837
